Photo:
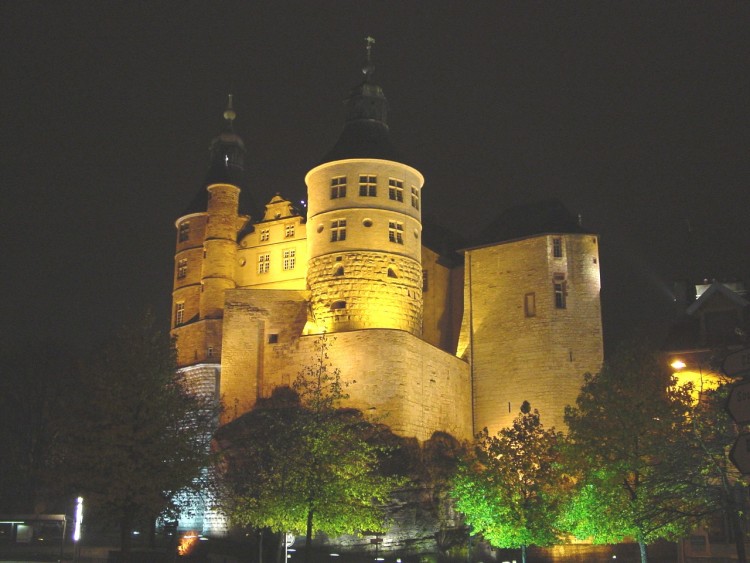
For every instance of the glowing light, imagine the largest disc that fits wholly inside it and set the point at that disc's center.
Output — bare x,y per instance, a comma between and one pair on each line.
79,519
678,364
187,544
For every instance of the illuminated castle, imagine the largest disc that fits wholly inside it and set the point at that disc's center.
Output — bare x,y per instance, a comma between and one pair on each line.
430,340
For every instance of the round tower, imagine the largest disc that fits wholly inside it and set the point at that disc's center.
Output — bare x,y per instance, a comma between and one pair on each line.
206,251
364,225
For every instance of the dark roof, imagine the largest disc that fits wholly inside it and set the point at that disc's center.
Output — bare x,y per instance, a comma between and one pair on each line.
365,133
548,216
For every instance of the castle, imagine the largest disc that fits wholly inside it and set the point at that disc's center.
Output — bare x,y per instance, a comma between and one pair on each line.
430,340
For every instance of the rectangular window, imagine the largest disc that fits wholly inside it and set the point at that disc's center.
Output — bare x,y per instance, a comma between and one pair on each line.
529,304
210,352
288,231
181,268
395,190
289,259
184,232
338,187
425,280
396,232
557,248
561,292
338,230
179,314
264,263
265,234
414,197
368,185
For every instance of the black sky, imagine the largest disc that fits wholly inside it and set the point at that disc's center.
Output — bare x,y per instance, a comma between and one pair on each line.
635,114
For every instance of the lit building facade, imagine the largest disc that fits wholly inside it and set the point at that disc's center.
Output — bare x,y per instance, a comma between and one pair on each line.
429,339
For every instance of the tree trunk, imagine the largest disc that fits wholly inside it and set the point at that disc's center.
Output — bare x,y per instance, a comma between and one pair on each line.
260,545
642,547
523,554
308,535
281,549
739,536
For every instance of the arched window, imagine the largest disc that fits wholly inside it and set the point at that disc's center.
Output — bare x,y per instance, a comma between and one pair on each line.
338,305
339,271
392,273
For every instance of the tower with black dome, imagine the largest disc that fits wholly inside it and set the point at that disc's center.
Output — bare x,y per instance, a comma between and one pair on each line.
206,251
364,225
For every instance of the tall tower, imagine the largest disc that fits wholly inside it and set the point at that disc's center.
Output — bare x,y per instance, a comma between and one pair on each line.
206,253
364,225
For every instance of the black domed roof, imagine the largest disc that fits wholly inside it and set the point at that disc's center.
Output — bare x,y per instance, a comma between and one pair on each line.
365,133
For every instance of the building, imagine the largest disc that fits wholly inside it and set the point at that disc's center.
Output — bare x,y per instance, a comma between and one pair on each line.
430,338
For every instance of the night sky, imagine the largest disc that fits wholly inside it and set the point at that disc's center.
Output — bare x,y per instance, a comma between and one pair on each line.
635,114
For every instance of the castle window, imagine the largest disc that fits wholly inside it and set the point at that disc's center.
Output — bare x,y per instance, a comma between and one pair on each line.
529,304
273,338
184,231
338,305
561,291
368,185
290,259
181,268
557,248
288,231
425,280
414,197
339,271
210,352
265,234
396,232
392,273
395,189
179,314
338,230
264,263
338,187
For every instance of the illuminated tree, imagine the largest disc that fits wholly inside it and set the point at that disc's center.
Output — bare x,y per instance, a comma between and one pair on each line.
512,489
628,433
296,461
137,437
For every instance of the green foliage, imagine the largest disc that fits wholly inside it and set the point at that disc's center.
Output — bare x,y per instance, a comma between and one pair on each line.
296,457
511,490
137,436
628,436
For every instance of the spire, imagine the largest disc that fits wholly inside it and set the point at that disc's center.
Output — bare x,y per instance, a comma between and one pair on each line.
365,133
229,113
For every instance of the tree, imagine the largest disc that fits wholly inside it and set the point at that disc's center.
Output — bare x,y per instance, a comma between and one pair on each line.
296,461
511,490
138,436
626,434
37,384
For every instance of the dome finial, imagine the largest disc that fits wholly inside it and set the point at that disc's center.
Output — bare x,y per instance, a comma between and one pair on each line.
229,113
369,69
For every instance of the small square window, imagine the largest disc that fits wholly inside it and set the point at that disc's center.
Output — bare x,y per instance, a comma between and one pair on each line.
265,234
288,231
368,185
338,187
184,231
264,263
338,230
290,259
396,232
395,190
273,338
